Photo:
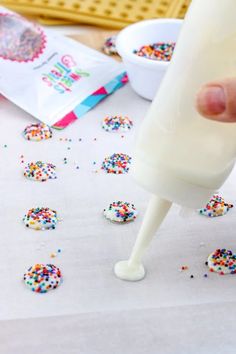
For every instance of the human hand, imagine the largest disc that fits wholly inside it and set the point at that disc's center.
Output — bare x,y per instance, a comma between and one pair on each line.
217,100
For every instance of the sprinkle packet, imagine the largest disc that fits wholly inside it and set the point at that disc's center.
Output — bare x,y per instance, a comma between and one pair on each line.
54,78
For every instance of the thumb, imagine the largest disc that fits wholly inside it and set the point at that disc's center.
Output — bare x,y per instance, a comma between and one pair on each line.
217,100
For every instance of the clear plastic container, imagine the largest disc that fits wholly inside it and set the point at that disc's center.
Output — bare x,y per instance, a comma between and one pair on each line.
180,156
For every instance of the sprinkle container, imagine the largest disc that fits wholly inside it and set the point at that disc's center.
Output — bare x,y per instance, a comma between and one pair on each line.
145,75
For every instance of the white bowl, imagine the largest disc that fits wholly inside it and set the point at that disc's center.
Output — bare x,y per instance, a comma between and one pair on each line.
145,75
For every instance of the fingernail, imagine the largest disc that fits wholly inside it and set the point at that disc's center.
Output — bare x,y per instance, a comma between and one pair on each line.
211,100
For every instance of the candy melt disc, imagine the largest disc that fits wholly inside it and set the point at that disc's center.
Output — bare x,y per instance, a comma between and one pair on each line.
222,261
41,219
42,278
116,163
40,171
25,47
216,207
120,212
116,123
37,132
109,46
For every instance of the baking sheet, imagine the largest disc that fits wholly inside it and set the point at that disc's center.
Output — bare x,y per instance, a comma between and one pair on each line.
165,313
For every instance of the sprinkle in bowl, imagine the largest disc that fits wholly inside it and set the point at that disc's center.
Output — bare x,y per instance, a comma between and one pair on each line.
145,75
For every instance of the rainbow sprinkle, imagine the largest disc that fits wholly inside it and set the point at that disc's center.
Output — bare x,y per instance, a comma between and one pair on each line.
216,207
37,132
222,261
158,51
40,171
116,123
41,219
182,268
41,278
116,163
120,212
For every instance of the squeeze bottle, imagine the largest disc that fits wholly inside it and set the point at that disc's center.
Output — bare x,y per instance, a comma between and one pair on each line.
181,157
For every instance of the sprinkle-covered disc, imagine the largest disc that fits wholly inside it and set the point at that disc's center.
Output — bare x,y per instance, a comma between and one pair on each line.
116,163
116,123
41,278
120,212
41,219
109,46
161,51
222,261
40,171
216,207
37,132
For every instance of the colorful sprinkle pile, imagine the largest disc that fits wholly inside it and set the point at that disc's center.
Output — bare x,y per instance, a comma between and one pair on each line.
222,261
41,219
216,207
116,163
42,278
21,40
40,171
109,47
161,51
120,212
37,132
116,123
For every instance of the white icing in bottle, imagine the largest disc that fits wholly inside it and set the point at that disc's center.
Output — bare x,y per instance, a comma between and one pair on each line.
180,156
133,269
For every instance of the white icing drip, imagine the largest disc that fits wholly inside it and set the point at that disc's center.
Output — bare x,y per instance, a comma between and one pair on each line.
133,269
